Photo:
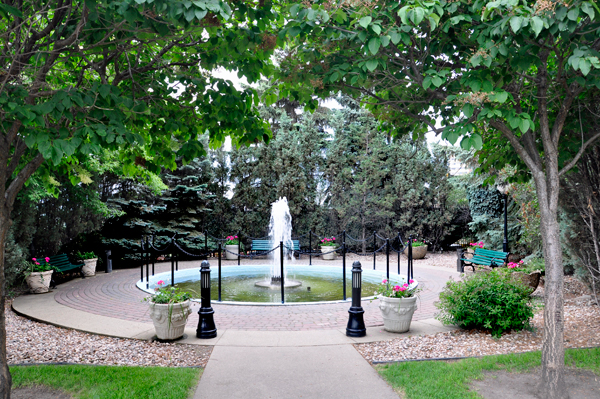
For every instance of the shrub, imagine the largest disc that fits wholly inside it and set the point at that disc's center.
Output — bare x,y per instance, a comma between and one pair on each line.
492,301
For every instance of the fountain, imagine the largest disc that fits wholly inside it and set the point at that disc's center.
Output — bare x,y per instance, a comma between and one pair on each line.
280,230
260,284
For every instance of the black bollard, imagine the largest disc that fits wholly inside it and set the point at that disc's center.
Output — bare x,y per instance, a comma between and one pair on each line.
206,323
108,260
460,266
356,323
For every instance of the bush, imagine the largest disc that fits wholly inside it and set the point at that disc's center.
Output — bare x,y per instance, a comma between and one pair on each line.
488,300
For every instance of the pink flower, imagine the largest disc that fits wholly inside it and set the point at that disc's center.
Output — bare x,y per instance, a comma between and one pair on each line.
33,259
384,281
402,288
521,261
47,259
333,238
235,237
160,282
411,281
396,288
37,263
405,285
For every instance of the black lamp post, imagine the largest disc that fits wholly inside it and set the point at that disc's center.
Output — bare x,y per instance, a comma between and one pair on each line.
504,191
356,323
206,323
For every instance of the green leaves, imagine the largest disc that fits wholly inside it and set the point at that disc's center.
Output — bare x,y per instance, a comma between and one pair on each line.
374,44
365,21
537,25
371,64
515,23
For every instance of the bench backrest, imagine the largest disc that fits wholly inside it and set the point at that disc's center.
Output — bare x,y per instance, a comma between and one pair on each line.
266,245
61,262
487,256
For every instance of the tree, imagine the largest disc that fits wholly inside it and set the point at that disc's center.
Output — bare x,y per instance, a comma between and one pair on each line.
130,76
290,166
507,76
377,183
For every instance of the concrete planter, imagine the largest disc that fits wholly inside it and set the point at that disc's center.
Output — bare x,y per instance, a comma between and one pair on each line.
89,269
169,319
418,252
39,282
328,256
228,254
397,313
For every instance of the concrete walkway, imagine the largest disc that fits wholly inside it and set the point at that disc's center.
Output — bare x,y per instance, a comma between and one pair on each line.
298,351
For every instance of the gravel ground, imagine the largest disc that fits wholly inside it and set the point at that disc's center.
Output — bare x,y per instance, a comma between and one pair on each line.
582,329
32,342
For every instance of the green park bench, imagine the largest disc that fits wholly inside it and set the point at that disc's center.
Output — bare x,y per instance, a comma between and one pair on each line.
62,264
482,257
259,246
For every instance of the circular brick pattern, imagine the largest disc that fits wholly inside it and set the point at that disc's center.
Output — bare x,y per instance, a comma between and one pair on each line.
116,295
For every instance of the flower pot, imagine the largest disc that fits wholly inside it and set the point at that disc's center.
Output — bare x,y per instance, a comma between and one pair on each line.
169,318
39,282
417,252
397,313
228,254
326,255
531,279
89,268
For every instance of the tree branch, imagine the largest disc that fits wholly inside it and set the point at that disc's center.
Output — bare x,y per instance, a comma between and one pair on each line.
573,161
15,186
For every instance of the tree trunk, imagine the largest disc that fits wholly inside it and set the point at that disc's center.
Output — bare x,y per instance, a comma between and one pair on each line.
5,378
553,351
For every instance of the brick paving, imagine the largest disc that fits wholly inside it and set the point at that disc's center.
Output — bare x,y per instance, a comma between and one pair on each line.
116,295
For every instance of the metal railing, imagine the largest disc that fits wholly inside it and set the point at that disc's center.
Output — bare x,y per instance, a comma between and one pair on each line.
149,254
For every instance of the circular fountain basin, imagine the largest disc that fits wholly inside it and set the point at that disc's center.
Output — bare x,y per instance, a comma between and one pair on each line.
320,284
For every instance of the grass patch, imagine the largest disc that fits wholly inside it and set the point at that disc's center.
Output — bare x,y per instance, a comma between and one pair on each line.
114,382
450,380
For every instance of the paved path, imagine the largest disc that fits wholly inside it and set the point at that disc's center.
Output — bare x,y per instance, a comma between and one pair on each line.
115,295
293,351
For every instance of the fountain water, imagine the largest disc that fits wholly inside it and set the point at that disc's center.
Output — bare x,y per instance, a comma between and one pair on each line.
280,230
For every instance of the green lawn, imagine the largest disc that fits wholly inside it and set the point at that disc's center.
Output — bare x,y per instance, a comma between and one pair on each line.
114,382
449,380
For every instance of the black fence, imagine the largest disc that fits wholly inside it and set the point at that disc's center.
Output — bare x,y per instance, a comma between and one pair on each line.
172,249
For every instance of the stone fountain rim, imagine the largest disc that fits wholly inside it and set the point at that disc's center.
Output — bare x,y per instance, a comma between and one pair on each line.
166,276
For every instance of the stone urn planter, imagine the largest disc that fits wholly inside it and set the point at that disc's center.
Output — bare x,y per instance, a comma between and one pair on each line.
39,282
89,267
326,255
169,319
397,313
418,252
228,254
530,279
